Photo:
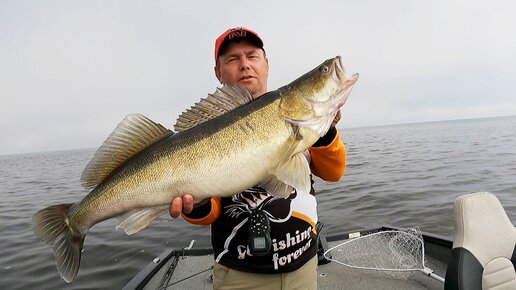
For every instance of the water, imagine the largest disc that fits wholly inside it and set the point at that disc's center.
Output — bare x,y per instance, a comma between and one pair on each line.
404,175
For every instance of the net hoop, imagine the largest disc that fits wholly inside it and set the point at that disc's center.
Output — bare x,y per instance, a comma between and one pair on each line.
397,237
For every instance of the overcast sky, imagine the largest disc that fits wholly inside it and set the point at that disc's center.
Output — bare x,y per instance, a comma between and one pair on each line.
70,71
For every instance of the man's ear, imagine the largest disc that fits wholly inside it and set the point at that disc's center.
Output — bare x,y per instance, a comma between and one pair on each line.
267,61
217,73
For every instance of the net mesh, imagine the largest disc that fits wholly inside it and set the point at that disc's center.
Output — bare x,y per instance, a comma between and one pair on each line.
390,250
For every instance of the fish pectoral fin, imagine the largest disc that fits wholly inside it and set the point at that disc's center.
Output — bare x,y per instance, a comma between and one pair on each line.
294,173
136,220
277,188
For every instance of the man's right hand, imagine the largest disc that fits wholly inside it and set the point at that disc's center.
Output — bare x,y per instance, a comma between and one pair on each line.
181,204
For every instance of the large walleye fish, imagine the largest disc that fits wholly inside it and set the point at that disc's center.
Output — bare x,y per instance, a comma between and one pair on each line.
223,145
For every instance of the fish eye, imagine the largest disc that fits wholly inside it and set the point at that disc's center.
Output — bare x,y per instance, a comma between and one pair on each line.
324,69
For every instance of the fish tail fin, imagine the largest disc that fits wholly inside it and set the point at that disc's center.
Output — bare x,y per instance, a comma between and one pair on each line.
52,225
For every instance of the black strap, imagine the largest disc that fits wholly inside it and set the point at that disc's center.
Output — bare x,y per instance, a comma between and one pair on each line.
326,139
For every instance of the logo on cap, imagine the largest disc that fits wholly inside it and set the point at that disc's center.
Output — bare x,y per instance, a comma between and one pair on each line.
237,32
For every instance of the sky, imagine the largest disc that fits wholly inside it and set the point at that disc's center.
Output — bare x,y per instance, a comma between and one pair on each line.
70,71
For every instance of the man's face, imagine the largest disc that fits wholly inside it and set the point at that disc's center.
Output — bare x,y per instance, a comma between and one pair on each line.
245,64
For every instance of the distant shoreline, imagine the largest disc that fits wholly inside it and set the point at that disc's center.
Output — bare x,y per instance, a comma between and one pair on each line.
339,127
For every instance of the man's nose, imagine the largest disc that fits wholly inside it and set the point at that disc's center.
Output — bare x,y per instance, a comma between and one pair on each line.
244,63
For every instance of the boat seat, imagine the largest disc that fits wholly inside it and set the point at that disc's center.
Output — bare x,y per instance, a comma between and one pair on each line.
484,246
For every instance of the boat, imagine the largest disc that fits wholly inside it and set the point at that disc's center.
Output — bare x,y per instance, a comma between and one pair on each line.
479,220
190,267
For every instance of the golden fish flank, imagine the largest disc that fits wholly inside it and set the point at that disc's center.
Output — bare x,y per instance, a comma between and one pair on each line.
223,145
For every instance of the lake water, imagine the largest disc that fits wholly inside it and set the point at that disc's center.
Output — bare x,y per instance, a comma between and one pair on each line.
404,175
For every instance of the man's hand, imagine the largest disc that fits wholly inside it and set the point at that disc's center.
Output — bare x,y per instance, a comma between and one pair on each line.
181,204
336,119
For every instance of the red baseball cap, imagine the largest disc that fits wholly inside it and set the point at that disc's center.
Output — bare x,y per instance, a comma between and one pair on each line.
233,34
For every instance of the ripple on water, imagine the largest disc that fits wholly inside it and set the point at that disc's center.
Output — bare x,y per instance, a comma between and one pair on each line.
405,175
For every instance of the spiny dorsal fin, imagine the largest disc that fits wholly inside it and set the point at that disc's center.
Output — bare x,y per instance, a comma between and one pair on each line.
131,136
222,101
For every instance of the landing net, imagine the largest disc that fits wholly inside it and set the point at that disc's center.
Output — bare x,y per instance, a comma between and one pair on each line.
390,250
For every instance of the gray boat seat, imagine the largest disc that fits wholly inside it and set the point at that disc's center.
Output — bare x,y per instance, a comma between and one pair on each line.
484,246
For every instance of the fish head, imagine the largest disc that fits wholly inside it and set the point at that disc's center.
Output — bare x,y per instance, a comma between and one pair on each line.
314,99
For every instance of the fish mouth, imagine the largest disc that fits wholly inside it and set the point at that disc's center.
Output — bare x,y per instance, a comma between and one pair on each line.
338,63
339,75
345,82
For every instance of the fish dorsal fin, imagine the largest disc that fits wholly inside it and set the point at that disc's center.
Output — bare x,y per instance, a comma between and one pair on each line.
135,133
222,101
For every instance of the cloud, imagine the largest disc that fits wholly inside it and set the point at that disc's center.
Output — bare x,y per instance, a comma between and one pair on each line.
70,71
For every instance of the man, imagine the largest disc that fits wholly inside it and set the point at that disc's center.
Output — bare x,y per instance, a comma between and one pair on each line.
291,262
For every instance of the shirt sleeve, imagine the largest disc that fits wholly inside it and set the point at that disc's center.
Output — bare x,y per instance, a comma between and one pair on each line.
329,161
205,214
